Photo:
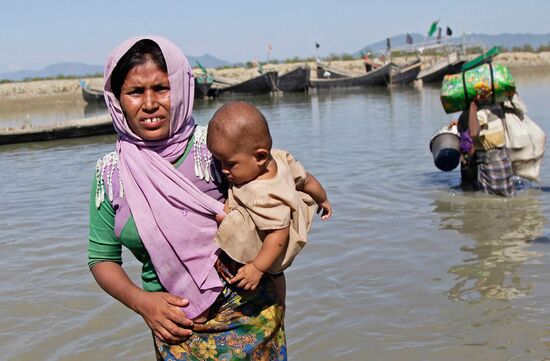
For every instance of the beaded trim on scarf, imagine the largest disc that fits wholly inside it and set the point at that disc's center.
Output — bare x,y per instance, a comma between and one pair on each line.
106,166
202,156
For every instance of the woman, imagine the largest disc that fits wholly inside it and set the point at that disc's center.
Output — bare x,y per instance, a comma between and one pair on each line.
158,195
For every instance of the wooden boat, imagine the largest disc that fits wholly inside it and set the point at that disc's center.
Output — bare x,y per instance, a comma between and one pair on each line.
326,72
91,95
377,77
296,79
203,83
71,129
223,81
406,73
448,64
262,84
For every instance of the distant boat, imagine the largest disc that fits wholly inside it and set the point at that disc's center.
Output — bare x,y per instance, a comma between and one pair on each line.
223,81
377,77
203,83
71,129
92,96
482,59
324,71
262,84
449,64
406,73
296,79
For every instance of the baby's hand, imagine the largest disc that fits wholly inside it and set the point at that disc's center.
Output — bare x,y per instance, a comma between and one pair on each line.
219,218
249,277
326,208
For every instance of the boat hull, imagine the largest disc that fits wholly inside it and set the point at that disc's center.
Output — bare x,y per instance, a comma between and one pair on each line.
436,72
326,72
72,129
295,80
262,84
407,73
202,87
92,96
377,77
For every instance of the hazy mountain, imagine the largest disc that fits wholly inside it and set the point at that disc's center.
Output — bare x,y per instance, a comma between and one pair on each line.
67,69
506,40
81,69
207,60
511,40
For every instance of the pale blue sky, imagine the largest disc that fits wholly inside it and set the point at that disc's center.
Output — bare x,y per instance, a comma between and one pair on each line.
34,34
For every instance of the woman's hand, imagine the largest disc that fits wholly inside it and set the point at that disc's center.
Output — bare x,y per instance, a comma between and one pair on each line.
248,277
326,209
162,313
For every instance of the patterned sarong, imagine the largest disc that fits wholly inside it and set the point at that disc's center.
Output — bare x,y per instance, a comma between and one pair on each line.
246,326
494,172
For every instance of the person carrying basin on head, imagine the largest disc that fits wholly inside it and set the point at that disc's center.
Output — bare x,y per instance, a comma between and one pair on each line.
484,164
497,140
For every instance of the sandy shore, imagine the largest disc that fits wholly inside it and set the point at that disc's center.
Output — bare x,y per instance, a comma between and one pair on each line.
43,89
54,89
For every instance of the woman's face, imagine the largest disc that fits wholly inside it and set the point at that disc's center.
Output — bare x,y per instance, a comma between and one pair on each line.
145,100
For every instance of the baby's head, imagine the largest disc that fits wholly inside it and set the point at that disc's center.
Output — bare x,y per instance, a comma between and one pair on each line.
238,136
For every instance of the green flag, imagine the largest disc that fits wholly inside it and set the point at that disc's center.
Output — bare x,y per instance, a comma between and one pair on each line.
202,68
433,28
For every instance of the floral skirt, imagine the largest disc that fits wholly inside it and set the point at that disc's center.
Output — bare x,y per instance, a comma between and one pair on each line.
244,325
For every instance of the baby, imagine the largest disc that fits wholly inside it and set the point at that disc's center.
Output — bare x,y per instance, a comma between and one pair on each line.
271,199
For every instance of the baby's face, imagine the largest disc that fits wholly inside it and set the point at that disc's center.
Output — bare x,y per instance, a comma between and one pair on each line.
239,166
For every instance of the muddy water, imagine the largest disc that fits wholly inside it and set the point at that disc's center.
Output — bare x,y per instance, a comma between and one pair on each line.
410,268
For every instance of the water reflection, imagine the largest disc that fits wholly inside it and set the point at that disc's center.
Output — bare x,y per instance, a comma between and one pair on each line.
50,145
501,230
93,109
46,111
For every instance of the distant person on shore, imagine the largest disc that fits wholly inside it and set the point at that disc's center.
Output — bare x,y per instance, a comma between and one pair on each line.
271,199
158,195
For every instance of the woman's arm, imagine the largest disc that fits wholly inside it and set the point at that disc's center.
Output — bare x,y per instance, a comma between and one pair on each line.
161,311
312,187
274,245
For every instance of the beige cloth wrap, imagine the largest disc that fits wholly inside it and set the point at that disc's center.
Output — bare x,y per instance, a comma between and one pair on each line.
491,132
268,204
525,140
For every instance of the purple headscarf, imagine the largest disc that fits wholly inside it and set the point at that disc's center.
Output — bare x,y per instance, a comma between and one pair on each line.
175,220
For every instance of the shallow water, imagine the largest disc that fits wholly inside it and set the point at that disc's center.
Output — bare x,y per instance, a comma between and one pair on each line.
48,111
409,268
